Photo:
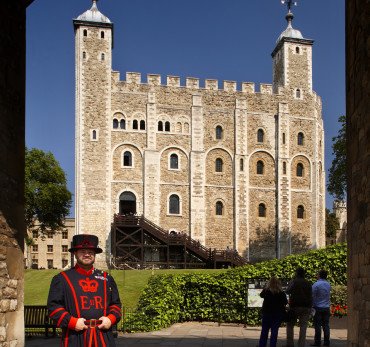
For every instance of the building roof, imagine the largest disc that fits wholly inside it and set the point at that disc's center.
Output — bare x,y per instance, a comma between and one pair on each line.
93,15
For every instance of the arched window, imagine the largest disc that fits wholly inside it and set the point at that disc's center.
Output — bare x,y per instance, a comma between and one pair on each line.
134,124
260,167
142,125
261,210
174,161
260,135
178,127
84,55
219,164
127,159
283,138
300,139
219,208
284,168
115,123
122,124
300,212
300,170
174,204
102,57
167,126
297,50
160,126
102,34
241,164
94,134
218,132
85,32
298,93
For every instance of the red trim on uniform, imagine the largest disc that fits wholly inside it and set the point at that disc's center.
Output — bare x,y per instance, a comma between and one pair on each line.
66,338
112,318
105,294
114,310
91,334
115,307
85,334
54,312
72,323
61,318
84,272
102,339
73,292
95,339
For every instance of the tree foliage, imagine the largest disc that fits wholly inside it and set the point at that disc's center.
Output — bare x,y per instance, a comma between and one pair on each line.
331,223
47,199
337,185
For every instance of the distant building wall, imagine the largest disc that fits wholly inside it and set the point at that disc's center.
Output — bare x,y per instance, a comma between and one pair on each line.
358,164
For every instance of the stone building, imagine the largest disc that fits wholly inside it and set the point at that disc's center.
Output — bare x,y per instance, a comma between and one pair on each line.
229,167
50,250
340,210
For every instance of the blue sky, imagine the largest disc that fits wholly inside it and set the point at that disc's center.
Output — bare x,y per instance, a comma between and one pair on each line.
225,40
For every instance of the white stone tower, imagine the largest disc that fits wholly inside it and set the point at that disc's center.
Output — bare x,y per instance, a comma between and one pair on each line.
94,42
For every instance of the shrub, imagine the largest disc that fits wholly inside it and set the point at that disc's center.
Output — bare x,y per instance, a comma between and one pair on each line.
186,297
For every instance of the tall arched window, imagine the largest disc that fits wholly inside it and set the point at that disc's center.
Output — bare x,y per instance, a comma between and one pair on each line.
174,204
261,210
94,134
85,32
300,139
102,57
218,132
219,208
298,93
284,168
174,161
260,135
127,159
122,124
300,212
260,167
160,126
241,164
219,164
134,124
300,170
102,34
142,125
167,126
283,138
115,123
84,55
297,50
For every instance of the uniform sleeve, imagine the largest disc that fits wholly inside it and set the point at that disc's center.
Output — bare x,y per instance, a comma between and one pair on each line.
114,308
56,305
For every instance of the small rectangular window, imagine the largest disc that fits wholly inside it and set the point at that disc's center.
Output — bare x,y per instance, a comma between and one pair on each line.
65,235
50,248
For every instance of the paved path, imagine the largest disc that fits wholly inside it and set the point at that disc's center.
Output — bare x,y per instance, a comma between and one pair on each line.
208,334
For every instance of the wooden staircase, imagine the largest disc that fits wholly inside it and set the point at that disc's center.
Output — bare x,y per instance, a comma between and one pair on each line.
134,237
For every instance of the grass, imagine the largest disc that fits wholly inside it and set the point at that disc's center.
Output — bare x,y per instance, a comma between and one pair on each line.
130,283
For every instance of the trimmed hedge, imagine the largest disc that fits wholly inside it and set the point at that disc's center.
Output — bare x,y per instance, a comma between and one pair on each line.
186,297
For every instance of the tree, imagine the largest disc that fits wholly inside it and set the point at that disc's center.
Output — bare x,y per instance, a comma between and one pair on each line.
337,185
331,223
47,199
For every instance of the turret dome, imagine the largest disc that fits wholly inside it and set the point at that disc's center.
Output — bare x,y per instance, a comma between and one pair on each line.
290,31
93,15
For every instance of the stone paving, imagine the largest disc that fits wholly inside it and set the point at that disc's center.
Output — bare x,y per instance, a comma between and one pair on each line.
201,334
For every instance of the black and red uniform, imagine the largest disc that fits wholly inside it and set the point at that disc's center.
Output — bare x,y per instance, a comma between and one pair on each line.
77,293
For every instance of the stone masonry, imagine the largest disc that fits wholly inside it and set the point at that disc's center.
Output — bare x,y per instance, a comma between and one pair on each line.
248,168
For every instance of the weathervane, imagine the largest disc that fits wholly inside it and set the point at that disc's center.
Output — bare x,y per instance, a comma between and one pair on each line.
289,3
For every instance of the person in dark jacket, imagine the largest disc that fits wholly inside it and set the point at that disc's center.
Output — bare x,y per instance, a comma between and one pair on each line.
274,302
83,301
300,302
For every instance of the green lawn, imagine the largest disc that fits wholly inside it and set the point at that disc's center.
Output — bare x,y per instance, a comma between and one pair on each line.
130,284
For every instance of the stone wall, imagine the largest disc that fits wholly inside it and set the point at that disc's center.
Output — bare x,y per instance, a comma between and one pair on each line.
358,175
12,144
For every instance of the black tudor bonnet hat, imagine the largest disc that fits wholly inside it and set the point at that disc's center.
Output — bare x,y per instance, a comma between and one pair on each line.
85,241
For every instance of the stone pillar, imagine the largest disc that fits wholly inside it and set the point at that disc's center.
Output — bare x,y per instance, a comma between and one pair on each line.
358,164
12,144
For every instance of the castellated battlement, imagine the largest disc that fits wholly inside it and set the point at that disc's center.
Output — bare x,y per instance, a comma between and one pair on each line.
193,83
